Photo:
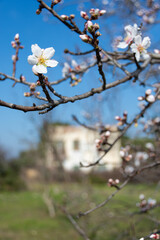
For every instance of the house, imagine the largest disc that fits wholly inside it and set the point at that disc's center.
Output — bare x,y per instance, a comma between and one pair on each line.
72,145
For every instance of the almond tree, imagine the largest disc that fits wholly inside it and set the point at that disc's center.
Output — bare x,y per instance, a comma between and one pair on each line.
131,56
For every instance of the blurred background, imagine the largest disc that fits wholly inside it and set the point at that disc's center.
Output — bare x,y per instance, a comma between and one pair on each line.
40,154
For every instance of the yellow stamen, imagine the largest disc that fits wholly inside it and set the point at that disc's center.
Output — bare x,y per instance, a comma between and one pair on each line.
41,60
140,48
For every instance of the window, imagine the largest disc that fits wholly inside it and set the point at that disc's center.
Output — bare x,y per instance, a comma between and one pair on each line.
76,145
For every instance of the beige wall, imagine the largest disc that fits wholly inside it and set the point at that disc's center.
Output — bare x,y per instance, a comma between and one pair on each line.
84,152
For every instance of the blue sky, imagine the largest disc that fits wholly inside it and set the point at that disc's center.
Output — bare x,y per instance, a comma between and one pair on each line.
18,129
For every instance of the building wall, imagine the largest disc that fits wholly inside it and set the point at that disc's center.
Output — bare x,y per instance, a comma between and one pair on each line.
77,144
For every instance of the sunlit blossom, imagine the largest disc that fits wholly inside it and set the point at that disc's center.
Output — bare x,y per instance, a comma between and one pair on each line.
40,59
139,46
131,32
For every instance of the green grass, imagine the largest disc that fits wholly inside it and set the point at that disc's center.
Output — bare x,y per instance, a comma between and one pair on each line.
24,216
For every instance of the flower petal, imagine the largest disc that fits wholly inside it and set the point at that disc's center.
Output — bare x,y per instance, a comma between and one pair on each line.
48,53
138,40
146,42
40,69
74,63
137,56
122,45
128,29
134,47
51,63
32,60
36,50
34,71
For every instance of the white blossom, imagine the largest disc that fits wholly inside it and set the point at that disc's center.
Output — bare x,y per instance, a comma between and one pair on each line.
150,98
40,59
139,46
131,32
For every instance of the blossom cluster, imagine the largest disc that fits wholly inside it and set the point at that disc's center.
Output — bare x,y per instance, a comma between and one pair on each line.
134,40
145,204
122,120
113,183
148,96
16,45
124,153
71,71
32,90
89,26
103,140
149,15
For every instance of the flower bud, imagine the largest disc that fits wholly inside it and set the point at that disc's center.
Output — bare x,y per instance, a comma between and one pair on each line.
107,134
96,26
27,94
84,15
140,98
125,114
94,13
22,78
122,153
32,86
154,236
38,11
98,34
72,16
56,1
148,91
97,141
89,26
65,17
110,180
150,98
85,38
118,118
102,12
117,181
16,37
37,93
14,58
13,44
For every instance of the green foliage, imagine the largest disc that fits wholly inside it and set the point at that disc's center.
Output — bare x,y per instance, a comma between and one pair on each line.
140,142
25,216
10,177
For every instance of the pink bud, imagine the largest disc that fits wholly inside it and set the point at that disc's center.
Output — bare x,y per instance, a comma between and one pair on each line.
37,93
107,134
85,38
125,114
16,37
118,118
102,12
22,78
110,180
89,26
148,91
122,153
117,181
13,44
72,16
14,58
84,15
64,17
150,98
27,94
140,98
